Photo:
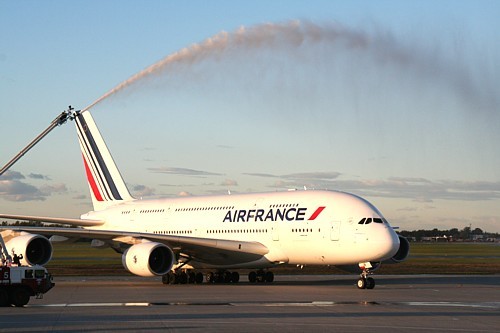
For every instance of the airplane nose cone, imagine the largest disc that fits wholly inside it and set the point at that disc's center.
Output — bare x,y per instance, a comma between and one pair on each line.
392,242
387,243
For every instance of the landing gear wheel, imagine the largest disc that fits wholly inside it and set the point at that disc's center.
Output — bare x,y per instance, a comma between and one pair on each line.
252,277
191,277
182,278
365,281
235,277
370,283
170,278
361,283
199,278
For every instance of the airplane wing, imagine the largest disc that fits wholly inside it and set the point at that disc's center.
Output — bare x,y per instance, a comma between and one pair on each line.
60,220
210,251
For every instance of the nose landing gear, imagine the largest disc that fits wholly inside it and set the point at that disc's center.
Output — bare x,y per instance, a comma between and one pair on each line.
365,281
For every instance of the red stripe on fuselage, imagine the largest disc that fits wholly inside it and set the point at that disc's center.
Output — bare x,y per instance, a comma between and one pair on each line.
316,213
92,182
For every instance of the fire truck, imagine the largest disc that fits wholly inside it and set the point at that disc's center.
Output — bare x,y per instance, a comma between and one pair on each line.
18,283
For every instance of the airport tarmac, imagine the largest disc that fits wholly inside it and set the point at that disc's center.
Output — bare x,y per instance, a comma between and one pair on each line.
293,303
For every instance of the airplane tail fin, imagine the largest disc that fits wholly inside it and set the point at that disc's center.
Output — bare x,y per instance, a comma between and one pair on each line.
106,184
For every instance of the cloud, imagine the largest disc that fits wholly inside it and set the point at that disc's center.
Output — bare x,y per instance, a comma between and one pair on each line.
229,182
418,189
11,175
225,147
319,175
183,171
312,175
142,191
48,190
38,176
80,197
14,190
264,175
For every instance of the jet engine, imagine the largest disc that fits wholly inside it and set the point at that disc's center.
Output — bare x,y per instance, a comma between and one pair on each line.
148,259
35,249
403,252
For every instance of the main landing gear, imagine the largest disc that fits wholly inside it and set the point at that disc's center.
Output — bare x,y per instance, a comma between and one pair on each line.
222,277
261,276
189,276
182,277
365,281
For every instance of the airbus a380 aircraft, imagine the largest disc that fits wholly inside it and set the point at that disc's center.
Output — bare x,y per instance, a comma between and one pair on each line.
176,236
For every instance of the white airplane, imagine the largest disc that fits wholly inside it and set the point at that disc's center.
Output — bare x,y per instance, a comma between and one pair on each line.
175,237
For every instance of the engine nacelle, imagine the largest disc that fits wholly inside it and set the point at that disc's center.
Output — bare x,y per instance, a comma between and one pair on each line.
402,254
148,259
35,249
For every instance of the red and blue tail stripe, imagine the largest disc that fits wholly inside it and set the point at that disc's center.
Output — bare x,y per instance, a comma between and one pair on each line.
105,182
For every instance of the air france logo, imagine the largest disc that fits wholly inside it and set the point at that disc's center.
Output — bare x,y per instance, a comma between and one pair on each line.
272,214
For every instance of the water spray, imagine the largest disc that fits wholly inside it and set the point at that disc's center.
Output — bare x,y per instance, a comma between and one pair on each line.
293,35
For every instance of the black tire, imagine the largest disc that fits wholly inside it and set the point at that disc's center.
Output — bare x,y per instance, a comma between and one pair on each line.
361,283
182,278
269,277
199,277
192,277
370,283
171,278
227,277
235,277
19,296
252,277
4,298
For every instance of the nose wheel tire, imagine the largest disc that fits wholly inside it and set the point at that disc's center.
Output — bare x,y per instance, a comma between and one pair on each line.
366,283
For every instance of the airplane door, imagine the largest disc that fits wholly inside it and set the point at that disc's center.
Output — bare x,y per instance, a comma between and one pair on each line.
335,230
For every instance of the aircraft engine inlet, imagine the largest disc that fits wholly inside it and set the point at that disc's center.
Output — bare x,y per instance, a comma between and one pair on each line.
403,252
35,249
148,259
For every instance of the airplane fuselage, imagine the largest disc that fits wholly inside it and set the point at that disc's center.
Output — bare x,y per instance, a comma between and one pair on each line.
298,227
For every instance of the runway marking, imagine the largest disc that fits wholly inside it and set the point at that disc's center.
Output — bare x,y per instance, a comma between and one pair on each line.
64,305
484,305
488,305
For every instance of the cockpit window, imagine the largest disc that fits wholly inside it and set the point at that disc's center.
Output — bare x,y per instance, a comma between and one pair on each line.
368,220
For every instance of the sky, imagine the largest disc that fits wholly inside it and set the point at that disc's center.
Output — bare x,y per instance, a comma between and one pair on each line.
396,101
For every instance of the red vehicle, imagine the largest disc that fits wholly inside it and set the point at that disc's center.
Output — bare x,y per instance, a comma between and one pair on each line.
19,283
